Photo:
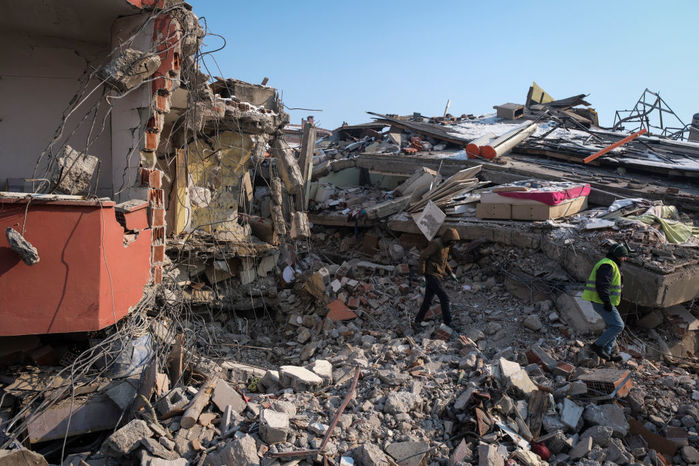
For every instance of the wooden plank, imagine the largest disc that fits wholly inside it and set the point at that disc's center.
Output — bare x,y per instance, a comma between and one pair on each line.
308,143
537,408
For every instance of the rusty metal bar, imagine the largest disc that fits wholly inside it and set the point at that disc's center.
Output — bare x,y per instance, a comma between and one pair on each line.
342,407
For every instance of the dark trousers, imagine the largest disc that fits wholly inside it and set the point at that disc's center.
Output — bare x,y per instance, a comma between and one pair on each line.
434,287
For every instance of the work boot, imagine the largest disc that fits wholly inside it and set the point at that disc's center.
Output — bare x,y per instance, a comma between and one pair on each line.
599,351
614,356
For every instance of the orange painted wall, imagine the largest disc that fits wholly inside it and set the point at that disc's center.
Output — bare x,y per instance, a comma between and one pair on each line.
80,246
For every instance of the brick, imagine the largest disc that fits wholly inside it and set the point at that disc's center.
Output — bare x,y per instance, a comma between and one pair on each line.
338,311
156,198
353,302
158,256
155,180
444,333
157,274
162,101
158,235
152,141
157,217
403,269
156,122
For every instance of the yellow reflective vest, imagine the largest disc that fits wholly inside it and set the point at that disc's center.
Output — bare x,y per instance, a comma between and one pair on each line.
590,293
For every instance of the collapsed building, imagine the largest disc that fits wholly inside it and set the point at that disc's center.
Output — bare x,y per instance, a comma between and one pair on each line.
243,288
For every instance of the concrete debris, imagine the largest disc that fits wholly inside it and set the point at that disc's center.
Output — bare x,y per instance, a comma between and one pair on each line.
23,457
274,426
21,246
126,439
76,170
129,69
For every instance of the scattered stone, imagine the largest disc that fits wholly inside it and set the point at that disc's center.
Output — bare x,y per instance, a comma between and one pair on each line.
298,378
242,450
274,426
399,402
609,415
582,448
125,440
516,377
533,323
369,454
690,455
21,457
21,246
570,414
408,453
323,369
225,395
488,455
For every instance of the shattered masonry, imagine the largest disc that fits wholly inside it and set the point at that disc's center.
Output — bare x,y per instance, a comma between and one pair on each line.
186,278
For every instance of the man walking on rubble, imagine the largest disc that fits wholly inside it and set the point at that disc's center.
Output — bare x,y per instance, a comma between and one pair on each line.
603,289
433,264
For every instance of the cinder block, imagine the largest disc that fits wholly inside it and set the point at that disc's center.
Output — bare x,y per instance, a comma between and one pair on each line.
173,403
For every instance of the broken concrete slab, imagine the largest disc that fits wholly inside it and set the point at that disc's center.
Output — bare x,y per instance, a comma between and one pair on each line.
126,439
242,450
369,454
122,393
225,395
570,414
579,313
76,171
22,457
323,369
274,426
610,415
515,377
582,448
129,68
91,415
298,378
408,453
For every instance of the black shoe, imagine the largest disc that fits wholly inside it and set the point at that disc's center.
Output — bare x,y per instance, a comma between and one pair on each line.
615,357
599,351
417,328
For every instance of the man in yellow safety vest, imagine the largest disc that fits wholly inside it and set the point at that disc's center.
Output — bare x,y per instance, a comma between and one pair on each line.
603,289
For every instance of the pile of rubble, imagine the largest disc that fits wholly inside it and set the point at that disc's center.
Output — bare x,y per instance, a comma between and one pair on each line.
343,377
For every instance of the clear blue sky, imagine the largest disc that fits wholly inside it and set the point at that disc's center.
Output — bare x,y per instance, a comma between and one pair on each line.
350,57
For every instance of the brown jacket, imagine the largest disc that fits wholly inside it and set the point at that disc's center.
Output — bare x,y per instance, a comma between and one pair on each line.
433,259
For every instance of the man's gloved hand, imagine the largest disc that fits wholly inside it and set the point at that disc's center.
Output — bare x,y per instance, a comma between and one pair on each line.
608,307
453,277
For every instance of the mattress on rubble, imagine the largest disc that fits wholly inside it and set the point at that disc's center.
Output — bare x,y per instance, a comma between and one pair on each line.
532,210
549,196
